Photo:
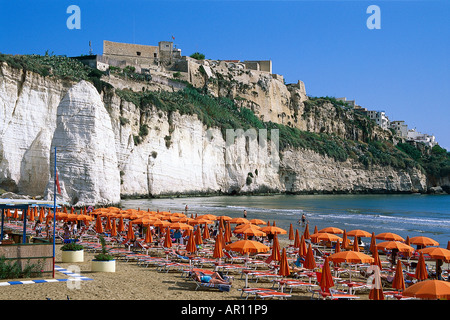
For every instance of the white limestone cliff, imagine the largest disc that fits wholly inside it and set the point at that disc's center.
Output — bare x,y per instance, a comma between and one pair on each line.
99,161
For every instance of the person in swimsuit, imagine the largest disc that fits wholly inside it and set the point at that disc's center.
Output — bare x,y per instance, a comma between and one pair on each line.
215,278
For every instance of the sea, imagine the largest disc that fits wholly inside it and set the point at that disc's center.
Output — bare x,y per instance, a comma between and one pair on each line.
406,215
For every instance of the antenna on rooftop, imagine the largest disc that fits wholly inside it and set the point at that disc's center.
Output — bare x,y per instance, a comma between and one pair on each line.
90,48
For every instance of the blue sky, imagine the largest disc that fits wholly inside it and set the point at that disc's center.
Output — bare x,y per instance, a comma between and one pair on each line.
402,68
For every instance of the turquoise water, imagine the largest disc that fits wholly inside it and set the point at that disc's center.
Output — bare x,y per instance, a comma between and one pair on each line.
406,215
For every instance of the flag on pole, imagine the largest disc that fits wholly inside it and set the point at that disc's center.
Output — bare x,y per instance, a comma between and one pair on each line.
57,182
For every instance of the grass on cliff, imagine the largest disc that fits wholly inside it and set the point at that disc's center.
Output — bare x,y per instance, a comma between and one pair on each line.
62,67
223,113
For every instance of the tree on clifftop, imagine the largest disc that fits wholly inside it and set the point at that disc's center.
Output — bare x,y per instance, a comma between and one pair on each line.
198,56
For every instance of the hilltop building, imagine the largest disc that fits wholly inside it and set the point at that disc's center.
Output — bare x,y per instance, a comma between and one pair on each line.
400,128
428,140
379,117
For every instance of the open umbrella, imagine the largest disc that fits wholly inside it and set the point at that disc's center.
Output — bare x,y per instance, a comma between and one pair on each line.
180,226
273,230
325,237
351,257
358,233
421,269
332,230
208,217
390,245
246,247
389,236
423,241
429,289
437,253
239,220
257,221
399,281
252,231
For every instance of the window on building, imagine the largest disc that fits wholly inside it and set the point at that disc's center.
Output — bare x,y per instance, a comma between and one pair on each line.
155,55
138,53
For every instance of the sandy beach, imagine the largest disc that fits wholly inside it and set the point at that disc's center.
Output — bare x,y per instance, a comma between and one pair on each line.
131,282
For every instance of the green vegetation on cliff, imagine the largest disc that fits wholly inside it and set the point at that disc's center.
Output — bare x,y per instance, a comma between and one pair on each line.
62,67
223,113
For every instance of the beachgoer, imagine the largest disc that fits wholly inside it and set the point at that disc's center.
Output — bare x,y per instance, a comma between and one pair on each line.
186,209
245,213
215,278
37,228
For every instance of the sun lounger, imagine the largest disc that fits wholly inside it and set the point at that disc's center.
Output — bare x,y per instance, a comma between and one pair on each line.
333,294
292,284
353,286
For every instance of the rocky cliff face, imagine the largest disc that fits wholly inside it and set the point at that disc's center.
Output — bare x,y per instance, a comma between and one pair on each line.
99,159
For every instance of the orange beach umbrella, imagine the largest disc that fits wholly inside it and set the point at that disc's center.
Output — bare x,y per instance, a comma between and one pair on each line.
98,225
358,233
421,269
400,246
437,253
389,236
247,246
399,281
423,241
309,263
326,280
429,289
332,230
167,239
284,265
218,249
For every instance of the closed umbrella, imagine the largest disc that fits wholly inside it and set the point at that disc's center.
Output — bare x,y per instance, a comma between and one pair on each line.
306,232
296,239
291,232
275,250
345,241
399,281
373,243
108,224
429,289
421,269
198,237
121,226
148,235
284,265
167,239
113,228
376,291
309,263
218,249
302,249
355,245
98,225
191,246
130,232
326,280
376,259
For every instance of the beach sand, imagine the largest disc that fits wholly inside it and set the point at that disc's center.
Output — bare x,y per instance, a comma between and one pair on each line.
130,282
